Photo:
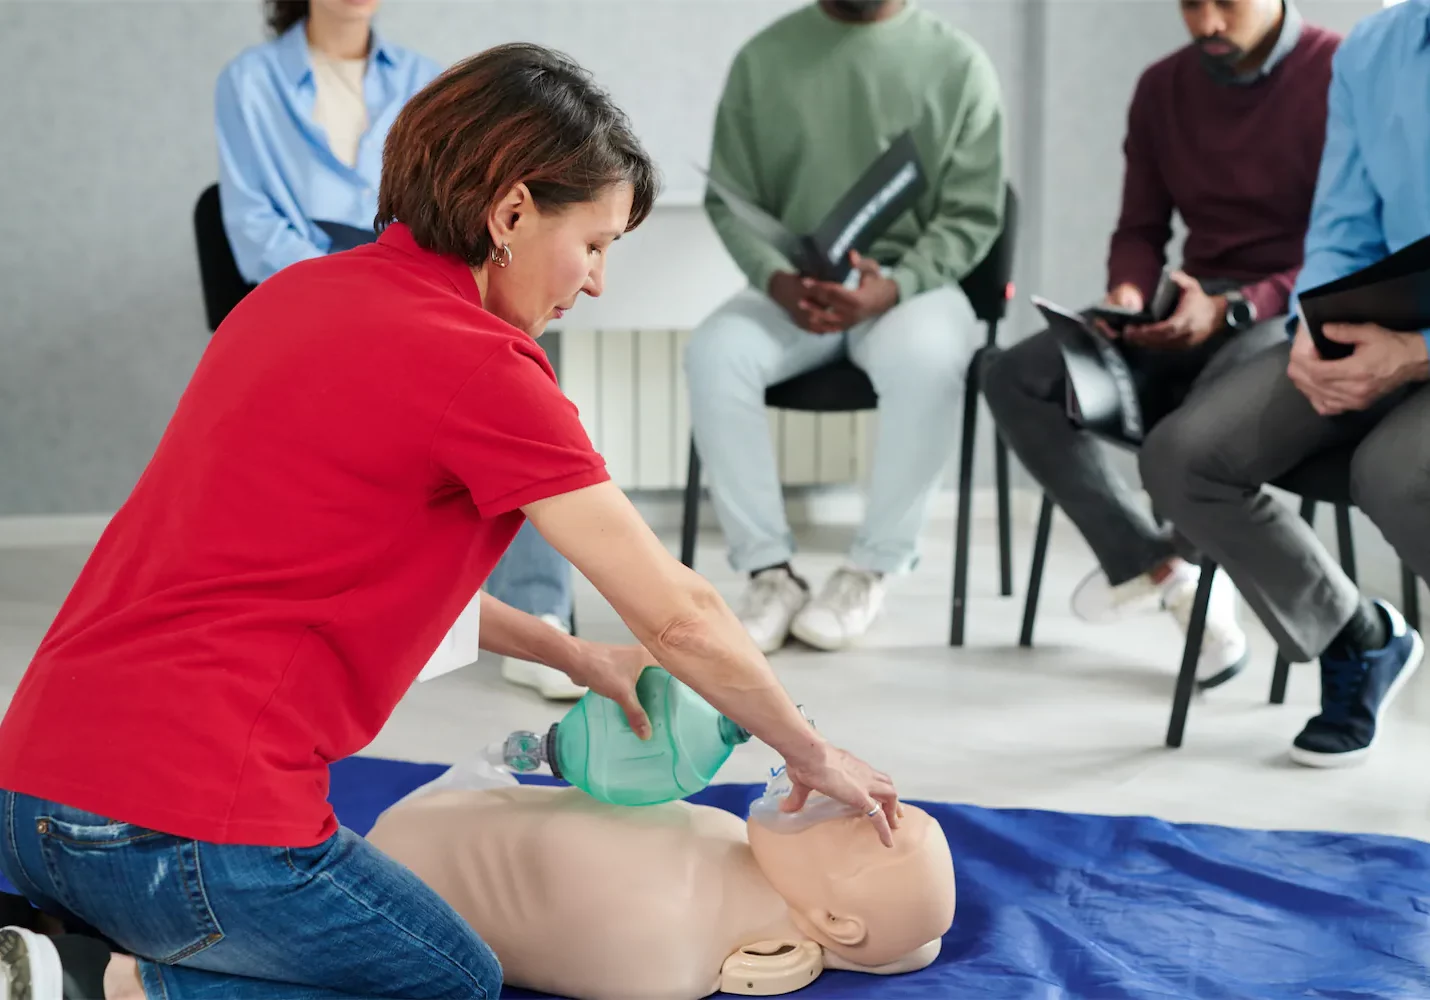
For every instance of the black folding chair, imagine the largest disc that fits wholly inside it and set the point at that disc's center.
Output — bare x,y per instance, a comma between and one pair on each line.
223,286
1324,478
841,387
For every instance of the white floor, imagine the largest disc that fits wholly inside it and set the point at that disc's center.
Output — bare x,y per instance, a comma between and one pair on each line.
1074,724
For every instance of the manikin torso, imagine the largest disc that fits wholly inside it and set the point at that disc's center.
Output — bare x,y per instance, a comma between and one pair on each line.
592,901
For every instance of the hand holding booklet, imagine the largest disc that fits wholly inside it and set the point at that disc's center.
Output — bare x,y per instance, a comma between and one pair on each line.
1393,293
887,189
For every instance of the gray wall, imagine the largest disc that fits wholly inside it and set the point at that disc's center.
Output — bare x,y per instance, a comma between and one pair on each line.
107,112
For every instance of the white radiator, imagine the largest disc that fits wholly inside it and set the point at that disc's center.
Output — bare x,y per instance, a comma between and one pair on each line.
630,388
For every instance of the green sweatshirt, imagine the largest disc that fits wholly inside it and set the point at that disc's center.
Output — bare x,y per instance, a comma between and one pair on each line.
811,102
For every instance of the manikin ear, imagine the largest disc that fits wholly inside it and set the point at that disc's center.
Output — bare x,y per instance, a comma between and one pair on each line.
846,930
509,214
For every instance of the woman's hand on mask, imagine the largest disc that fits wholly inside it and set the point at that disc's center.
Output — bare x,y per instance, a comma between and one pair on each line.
842,776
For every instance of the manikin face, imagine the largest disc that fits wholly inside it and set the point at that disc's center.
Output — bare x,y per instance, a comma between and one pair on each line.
1227,32
867,903
555,255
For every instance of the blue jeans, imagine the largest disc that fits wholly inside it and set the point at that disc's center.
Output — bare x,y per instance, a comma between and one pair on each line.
218,920
533,577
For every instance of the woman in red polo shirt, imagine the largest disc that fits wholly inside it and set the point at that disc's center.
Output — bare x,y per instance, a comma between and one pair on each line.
361,441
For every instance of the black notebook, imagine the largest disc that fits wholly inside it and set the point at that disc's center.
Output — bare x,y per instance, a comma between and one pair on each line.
344,236
1393,293
1107,394
884,192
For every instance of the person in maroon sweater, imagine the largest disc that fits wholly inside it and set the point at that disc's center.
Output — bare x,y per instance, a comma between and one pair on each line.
1226,132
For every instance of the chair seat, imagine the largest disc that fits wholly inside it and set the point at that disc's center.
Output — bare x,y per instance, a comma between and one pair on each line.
1325,477
839,387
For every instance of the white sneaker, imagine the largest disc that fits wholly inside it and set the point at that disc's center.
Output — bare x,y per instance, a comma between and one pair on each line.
843,611
768,606
1097,601
1224,647
550,682
29,966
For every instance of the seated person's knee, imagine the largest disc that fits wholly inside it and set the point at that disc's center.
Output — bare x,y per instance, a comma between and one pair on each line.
1169,453
1386,483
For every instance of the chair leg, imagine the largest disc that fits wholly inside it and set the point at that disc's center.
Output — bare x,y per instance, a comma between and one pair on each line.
1005,519
1281,674
1005,515
1345,543
1191,652
965,504
1035,572
690,519
1410,596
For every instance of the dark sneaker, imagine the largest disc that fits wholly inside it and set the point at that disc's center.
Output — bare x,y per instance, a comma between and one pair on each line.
1354,696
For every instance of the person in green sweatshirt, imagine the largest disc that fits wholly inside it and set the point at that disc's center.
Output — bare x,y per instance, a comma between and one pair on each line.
809,103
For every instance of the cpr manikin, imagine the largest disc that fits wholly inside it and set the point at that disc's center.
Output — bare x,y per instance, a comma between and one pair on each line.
677,901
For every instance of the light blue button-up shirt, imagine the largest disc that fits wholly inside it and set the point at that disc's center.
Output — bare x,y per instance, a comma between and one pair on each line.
1373,192
277,174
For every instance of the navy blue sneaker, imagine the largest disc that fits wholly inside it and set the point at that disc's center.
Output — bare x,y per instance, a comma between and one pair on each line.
1354,696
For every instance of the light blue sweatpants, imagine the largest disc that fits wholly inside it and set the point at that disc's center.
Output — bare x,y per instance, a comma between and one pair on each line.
917,357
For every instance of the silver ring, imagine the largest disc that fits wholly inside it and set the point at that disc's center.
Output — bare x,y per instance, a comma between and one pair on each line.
874,811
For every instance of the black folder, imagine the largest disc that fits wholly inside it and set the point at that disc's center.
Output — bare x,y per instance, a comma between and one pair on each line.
887,189
1106,394
344,236
1393,293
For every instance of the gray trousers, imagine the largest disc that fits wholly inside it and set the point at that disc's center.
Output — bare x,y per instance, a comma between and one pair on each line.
1026,389
1206,463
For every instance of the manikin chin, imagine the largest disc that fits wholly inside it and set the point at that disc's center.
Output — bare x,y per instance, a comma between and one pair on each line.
674,902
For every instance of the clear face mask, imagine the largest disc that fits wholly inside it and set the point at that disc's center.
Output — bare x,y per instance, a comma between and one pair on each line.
817,809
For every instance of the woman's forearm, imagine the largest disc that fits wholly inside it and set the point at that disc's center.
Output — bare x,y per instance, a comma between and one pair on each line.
509,632
708,648
674,612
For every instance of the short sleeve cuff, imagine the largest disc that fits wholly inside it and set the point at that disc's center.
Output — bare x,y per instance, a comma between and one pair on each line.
532,492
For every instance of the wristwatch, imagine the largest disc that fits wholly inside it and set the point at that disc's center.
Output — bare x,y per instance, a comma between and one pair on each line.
1240,313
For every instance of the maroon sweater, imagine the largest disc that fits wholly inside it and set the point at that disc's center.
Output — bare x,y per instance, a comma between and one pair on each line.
1238,163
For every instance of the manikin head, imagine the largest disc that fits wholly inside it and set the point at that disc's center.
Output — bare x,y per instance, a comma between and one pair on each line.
1234,37
516,162
869,904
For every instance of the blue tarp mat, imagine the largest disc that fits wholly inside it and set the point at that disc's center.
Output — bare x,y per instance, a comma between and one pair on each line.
1057,905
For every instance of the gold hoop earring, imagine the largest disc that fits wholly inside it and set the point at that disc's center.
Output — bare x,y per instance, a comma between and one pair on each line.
502,257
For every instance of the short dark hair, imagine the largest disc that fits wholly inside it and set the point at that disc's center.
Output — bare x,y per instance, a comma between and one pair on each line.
283,14
516,113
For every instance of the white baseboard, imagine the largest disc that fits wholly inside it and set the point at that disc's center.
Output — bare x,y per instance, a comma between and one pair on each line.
662,510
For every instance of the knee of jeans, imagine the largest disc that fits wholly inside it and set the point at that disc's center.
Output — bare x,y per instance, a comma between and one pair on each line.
483,965
920,365
716,361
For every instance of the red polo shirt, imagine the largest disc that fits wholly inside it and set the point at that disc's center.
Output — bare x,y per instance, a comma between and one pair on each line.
341,474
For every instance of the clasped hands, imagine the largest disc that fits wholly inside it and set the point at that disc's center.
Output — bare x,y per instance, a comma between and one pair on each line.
826,307
1381,361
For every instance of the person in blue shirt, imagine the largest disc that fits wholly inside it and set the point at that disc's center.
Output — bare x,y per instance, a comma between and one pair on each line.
1206,465
301,124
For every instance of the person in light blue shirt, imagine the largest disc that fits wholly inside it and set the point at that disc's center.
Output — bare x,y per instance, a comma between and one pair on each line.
301,124
1205,466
